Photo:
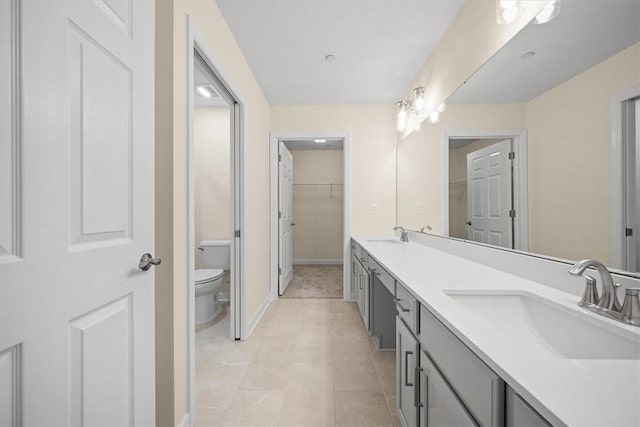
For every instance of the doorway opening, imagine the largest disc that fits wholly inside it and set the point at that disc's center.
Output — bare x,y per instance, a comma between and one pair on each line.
215,216
484,187
310,218
310,205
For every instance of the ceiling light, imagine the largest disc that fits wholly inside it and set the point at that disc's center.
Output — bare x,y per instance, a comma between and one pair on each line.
550,11
418,99
507,11
434,117
206,91
330,58
442,107
319,141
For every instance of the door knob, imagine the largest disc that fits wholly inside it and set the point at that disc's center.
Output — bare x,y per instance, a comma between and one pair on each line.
293,224
468,222
147,261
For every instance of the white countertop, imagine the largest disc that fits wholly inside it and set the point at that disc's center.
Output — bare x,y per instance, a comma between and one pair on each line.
573,392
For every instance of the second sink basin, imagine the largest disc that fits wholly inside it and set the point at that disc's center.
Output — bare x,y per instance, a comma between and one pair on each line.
539,325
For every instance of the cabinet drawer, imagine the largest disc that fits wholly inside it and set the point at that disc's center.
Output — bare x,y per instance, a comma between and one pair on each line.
480,389
387,280
360,253
407,307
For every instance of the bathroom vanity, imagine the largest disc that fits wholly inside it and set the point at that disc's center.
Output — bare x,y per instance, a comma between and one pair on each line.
477,346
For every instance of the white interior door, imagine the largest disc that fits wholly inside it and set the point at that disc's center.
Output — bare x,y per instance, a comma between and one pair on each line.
76,312
632,227
490,195
285,203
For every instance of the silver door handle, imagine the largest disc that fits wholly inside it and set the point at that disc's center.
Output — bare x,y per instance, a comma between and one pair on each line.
147,261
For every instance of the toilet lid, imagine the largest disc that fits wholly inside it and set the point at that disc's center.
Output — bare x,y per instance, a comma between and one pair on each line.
206,274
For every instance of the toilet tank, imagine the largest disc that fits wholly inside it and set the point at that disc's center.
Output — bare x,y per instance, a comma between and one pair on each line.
216,254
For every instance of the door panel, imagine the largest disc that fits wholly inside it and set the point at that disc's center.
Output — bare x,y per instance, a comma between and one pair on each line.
76,313
407,358
490,195
285,208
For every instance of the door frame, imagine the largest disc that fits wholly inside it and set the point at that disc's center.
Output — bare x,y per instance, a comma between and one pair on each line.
618,176
520,178
238,323
274,138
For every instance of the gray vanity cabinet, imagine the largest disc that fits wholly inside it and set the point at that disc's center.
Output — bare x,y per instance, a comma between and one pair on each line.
360,283
407,351
438,405
520,414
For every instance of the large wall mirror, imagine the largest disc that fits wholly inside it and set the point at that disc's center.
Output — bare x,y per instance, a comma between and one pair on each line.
539,150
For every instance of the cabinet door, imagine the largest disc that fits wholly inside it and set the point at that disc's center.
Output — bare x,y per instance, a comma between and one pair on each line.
366,298
520,414
406,362
354,277
438,405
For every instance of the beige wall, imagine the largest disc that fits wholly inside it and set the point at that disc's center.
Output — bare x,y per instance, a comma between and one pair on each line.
171,182
569,154
372,133
458,215
212,180
317,210
420,159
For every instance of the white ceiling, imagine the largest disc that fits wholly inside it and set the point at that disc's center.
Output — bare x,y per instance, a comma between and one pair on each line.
379,45
585,33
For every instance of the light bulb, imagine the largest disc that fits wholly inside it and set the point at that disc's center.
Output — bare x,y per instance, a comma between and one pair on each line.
402,116
510,15
434,117
442,107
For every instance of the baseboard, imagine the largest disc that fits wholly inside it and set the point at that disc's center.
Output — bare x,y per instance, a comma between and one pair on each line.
256,319
317,261
184,422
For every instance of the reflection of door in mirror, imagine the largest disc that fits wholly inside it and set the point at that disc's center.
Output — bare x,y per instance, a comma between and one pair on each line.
480,190
631,184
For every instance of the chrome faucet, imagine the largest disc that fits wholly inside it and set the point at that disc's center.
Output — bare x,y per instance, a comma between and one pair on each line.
609,299
426,227
607,304
403,234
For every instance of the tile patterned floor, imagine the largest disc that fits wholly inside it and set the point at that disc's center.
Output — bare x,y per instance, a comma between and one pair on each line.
308,363
315,281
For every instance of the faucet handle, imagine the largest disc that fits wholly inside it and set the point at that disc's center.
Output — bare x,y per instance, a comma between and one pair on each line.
590,296
631,307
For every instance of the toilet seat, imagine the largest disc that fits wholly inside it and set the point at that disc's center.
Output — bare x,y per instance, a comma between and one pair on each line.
205,275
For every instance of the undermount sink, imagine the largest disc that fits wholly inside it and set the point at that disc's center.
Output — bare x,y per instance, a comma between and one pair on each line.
535,324
392,241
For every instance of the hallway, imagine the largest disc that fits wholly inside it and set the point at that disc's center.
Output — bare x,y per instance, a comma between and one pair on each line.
316,282
309,362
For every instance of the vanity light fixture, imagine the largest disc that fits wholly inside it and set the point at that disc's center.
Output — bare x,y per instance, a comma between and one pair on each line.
550,11
418,99
319,141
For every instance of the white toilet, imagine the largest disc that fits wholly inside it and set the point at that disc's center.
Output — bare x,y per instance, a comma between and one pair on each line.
215,259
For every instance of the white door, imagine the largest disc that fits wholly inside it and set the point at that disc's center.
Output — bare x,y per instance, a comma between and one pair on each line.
285,204
632,188
76,312
489,202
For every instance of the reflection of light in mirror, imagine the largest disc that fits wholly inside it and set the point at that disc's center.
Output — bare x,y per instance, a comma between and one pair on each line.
507,11
442,107
510,15
204,91
550,11
434,117
418,99
508,4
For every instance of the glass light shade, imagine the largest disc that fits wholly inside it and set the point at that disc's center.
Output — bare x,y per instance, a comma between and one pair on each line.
434,117
401,119
507,4
418,99
550,11
510,15
442,107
